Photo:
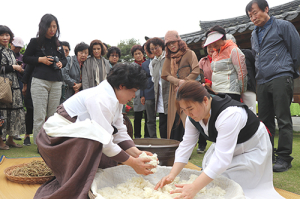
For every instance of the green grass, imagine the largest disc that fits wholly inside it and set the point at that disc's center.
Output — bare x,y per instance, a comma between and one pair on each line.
288,180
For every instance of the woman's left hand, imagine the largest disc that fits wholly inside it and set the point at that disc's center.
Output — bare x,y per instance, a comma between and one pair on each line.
188,191
59,65
148,153
179,84
76,87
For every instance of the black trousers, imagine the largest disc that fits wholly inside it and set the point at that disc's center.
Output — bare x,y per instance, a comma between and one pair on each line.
163,118
202,140
274,99
177,131
29,121
137,124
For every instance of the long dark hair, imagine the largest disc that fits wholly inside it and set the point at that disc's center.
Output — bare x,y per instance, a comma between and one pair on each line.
193,91
43,28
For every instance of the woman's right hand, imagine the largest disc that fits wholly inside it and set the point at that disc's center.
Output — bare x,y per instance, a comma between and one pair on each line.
46,60
143,100
18,68
165,180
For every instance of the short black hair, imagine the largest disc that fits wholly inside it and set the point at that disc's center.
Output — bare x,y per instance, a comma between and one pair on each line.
135,48
80,47
127,74
262,4
65,43
217,29
156,41
5,29
113,49
147,45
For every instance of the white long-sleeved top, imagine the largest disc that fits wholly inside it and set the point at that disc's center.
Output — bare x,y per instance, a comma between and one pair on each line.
101,105
160,102
228,124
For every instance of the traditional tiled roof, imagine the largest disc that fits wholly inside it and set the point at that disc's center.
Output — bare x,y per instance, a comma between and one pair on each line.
288,11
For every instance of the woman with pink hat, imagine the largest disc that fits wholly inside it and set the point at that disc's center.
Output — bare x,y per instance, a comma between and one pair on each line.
180,64
228,64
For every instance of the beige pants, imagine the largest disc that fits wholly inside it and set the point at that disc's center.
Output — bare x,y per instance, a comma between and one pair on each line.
45,98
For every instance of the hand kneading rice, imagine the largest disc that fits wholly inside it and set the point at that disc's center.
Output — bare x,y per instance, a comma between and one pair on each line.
139,188
154,161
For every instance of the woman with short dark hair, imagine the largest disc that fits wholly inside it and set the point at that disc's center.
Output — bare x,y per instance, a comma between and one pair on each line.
96,67
14,112
161,86
66,47
137,52
95,115
113,54
72,72
45,53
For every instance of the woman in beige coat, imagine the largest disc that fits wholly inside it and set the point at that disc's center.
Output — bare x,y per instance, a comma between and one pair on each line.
181,64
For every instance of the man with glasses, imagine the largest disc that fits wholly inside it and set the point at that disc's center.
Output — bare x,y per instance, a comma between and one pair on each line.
276,45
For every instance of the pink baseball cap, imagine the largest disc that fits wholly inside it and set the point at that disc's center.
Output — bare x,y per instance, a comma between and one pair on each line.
18,42
212,37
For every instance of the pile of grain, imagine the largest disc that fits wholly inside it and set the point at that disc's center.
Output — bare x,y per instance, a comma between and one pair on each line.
33,169
139,188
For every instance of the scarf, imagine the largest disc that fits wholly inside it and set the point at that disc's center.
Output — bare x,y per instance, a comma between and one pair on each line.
210,58
141,62
175,59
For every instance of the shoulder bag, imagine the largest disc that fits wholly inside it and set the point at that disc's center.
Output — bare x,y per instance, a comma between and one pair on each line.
5,88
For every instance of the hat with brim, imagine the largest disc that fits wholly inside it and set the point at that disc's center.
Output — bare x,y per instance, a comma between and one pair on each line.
18,42
212,37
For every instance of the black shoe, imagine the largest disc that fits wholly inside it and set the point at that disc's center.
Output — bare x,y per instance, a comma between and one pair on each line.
27,141
17,137
281,165
274,158
201,149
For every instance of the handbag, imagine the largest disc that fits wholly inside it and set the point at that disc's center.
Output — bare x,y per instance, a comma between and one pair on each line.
5,88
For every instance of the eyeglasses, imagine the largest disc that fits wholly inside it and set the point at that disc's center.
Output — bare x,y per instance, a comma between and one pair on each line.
111,55
154,49
171,43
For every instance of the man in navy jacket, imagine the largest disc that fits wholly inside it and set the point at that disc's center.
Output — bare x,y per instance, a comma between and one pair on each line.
276,45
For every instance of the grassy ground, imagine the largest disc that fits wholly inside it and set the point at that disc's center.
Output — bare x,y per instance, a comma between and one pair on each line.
288,180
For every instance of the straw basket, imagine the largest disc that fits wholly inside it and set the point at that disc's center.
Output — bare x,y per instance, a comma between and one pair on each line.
25,180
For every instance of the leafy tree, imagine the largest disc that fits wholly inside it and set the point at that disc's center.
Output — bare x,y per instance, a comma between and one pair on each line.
125,47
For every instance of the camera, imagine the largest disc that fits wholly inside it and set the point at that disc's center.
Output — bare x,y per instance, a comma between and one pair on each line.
19,62
55,60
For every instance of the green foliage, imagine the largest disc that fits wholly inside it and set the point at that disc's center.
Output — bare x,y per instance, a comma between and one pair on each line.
125,47
22,51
